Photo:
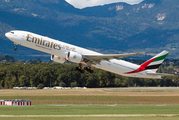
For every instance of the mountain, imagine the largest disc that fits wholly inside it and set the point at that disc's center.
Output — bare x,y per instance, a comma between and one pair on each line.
150,26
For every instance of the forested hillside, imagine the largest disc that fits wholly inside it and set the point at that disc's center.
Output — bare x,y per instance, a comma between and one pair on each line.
38,74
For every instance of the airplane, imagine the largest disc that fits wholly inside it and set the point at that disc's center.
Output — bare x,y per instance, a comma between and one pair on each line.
62,52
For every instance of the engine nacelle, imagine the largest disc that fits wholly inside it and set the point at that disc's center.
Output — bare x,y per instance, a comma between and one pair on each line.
57,59
74,57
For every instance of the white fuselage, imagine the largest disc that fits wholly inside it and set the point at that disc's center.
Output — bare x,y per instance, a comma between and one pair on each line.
59,48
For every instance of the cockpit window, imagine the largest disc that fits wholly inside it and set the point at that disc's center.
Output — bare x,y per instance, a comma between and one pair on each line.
12,32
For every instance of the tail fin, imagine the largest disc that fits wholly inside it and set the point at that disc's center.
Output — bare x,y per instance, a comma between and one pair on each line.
154,63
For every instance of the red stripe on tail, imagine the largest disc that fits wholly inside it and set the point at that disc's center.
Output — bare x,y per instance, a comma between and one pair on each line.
142,67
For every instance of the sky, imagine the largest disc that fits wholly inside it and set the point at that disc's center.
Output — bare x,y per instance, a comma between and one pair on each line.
89,3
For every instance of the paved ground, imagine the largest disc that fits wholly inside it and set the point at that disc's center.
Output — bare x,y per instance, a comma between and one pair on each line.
114,115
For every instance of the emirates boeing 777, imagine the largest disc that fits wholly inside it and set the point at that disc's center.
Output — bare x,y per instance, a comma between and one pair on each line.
63,52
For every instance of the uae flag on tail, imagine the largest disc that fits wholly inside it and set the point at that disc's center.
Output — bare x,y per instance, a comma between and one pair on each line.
152,64
156,61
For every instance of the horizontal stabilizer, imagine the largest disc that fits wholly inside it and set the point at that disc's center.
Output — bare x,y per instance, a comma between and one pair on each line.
160,74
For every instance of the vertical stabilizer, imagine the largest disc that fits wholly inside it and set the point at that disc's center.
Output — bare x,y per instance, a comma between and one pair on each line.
155,62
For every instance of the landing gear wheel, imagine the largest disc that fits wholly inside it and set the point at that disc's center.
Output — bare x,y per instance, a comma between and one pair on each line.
15,49
88,69
91,71
82,71
78,68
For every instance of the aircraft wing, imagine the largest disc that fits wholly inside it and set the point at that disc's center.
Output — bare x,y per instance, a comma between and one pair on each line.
98,58
161,74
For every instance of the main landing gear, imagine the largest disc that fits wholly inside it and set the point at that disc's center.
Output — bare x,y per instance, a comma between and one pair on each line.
79,68
88,69
15,49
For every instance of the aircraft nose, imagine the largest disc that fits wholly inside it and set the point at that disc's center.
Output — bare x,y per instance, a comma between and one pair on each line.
7,34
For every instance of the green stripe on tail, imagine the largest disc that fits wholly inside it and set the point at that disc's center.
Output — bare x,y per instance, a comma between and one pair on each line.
160,58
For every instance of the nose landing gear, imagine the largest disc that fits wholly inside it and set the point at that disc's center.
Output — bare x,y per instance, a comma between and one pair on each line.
15,49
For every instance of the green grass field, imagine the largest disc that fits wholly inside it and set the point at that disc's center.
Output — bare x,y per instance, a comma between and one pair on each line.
94,118
86,110
142,89
95,96
92,102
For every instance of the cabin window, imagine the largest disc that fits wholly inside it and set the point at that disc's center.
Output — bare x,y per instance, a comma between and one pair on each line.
12,32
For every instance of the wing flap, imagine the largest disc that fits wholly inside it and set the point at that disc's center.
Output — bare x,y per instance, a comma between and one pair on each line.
108,56
160,74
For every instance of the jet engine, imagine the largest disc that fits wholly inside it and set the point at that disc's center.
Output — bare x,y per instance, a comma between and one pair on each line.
57,59
74,57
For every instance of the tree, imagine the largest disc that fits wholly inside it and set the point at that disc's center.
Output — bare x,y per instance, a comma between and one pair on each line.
40,86
92,80
74,84
62,84
106,79
24,81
